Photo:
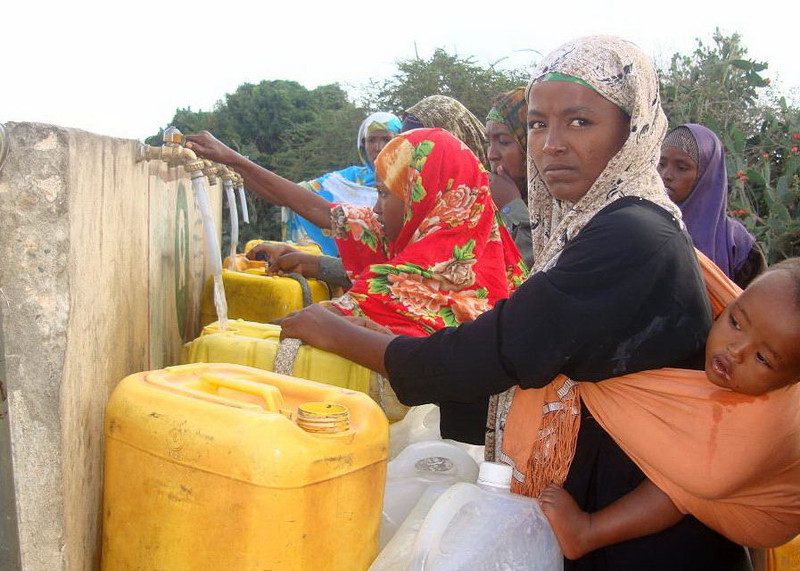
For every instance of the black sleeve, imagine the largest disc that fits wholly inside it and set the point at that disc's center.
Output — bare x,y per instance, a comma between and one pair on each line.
601,283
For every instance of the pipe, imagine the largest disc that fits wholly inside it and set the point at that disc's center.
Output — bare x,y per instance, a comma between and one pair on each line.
227,184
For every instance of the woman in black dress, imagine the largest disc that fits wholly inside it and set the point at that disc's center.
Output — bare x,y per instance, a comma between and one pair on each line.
616,289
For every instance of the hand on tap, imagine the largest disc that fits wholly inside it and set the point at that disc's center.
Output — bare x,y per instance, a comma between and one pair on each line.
206,146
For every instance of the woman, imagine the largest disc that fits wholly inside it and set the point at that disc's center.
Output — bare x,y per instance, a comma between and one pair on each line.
430,254
616,289
506,129
447,113
692,166
353,185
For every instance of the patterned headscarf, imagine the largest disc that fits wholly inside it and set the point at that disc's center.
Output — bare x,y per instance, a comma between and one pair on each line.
447,113
380,121
511,109
451,261
705,211
622,73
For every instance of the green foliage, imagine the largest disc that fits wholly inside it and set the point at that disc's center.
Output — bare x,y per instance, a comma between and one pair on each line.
282,126
459,77
720,87
301,133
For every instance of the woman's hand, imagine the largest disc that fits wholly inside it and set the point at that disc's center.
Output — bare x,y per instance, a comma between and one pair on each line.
269,252
504,189
315,325
206,146
368,324
303,263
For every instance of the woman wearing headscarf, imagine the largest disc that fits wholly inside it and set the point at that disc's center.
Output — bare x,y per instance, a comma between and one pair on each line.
506,130
430,254
615,289
447,113
353,185
692,166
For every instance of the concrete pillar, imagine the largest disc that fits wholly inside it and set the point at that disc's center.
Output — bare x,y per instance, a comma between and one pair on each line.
102,270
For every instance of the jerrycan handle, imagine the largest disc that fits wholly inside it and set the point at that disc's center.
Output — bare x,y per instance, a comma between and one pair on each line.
437,520
273,399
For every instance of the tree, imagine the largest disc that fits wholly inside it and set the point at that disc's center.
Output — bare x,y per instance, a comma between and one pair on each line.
282,126
442,74
719,86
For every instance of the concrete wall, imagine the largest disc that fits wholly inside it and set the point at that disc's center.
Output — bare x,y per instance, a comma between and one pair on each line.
102,272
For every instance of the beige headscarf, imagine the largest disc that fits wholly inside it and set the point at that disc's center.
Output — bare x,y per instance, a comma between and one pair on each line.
623,74
449,114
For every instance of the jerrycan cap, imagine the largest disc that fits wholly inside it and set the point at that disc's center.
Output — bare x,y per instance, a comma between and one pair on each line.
495,474
323,417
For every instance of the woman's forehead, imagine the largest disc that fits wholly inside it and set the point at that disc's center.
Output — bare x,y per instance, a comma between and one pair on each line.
562,95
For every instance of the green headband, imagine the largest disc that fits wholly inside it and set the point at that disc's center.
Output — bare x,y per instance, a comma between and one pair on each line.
556,76
495,115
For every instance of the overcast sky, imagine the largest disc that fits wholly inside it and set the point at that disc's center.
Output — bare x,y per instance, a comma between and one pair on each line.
123,68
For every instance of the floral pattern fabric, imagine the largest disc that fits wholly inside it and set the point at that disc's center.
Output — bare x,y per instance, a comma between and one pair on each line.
452,260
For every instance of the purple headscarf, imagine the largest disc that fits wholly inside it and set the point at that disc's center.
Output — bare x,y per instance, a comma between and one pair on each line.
725,240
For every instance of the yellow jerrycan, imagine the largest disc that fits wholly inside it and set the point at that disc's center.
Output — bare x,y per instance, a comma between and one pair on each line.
255,295
215,466
784,558
258,345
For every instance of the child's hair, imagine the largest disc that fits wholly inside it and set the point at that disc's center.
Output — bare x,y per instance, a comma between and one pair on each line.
791,265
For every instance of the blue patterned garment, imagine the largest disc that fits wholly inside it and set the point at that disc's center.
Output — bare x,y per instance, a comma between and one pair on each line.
353,185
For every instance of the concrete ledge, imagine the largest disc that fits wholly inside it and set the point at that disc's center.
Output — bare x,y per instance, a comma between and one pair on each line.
102,275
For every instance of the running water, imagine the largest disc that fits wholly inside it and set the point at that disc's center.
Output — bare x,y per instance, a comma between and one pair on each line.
234,216
243,201
212,247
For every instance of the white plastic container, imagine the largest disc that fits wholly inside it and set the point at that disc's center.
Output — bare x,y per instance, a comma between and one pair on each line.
473,527
416,468
421,423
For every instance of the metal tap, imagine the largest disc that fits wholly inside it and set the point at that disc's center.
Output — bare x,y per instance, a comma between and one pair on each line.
171,152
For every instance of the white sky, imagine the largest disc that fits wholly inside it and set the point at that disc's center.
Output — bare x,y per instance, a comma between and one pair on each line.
123,68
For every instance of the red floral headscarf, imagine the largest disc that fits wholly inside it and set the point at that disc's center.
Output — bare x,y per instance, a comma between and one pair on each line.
451,261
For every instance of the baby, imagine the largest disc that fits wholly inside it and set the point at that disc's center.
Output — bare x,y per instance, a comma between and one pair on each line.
752,348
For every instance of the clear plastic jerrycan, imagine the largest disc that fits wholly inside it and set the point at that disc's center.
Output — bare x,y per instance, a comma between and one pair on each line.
421,423
473,527
417,467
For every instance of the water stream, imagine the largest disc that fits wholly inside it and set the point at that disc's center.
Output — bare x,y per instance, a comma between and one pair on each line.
212,248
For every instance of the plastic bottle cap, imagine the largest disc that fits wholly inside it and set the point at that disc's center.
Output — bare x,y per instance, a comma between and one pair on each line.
323,417
495,474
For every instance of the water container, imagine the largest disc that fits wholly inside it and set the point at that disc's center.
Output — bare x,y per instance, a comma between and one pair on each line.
255,296
228,467
784,558
422,423
473,527
416,468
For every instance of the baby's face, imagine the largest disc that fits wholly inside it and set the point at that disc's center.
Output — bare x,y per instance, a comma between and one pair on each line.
754,346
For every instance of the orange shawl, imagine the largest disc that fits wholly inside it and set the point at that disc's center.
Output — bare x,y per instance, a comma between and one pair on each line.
731,460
